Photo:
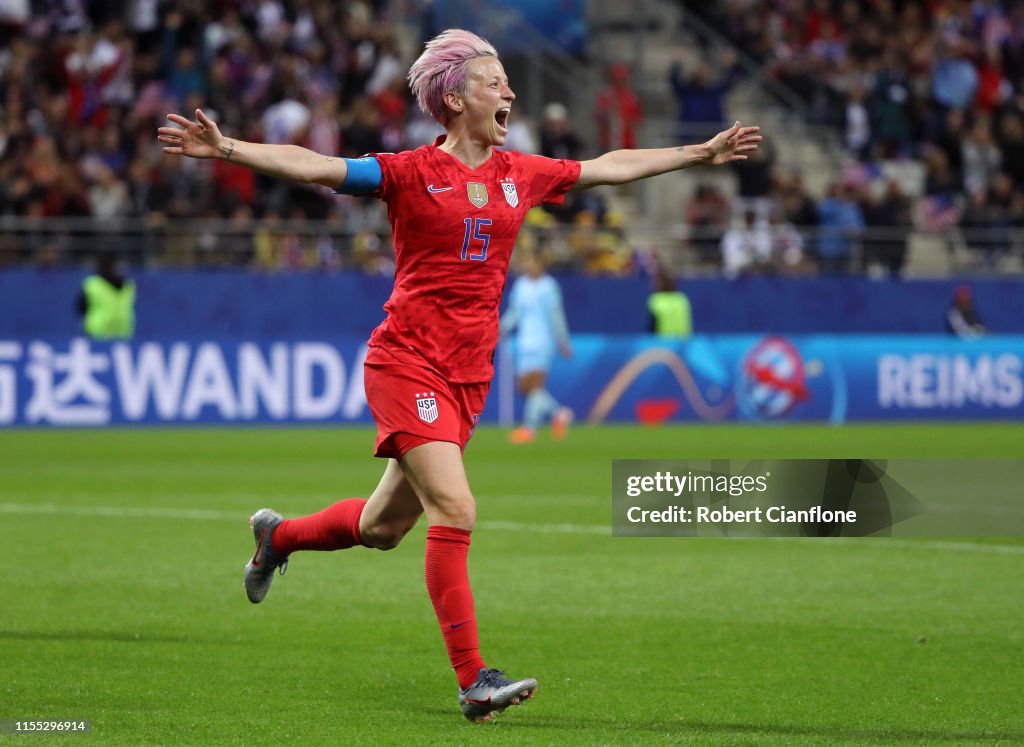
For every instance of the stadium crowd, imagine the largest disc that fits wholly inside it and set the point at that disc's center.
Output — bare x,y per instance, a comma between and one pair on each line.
936,83
83,87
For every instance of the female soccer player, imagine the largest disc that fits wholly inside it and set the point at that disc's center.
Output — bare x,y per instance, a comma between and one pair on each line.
535,312
455,208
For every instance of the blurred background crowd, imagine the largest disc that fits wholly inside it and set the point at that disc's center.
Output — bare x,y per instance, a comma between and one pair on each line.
934,84
923,99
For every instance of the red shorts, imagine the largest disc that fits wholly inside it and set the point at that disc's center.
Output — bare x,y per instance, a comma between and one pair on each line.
414,405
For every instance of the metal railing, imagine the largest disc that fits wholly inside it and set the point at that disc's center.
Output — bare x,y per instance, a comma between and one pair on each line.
324,246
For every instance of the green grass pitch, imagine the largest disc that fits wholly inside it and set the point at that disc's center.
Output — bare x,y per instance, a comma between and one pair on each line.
121,601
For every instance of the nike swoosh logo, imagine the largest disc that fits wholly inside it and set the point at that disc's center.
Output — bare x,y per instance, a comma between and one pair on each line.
435,190
459,625
259,545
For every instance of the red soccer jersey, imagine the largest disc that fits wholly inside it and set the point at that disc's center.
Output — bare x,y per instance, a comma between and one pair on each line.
454,228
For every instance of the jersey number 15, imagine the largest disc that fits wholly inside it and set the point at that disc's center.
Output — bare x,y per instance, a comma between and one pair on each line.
476,231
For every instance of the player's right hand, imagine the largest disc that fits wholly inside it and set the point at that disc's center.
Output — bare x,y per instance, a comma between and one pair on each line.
199,139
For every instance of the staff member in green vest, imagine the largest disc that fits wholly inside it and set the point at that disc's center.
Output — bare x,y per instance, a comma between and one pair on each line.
107,302
670,308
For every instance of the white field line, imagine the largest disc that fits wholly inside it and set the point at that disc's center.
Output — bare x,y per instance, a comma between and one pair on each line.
198,514
120,512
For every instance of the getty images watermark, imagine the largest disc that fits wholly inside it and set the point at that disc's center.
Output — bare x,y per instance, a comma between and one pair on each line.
817,498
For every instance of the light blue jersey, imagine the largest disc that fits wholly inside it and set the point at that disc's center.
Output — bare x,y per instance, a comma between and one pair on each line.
535,312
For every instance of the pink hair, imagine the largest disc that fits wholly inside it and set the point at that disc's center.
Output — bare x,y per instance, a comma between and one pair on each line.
443,68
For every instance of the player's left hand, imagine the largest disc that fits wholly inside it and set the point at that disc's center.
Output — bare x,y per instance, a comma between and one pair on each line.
565,349
199,139
733,144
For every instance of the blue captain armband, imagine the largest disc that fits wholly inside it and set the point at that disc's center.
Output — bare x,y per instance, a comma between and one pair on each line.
363,176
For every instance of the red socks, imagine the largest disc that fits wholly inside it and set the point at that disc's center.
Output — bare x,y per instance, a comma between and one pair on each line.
448,585
334,528
446,571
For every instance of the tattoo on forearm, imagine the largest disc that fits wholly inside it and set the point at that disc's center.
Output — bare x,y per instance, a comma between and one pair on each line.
228,150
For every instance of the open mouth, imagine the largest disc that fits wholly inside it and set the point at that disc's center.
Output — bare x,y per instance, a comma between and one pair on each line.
502,117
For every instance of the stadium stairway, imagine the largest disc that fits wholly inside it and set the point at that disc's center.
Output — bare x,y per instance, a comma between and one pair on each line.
650,35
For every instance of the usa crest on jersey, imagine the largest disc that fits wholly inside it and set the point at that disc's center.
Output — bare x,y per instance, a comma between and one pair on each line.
508,187
426,407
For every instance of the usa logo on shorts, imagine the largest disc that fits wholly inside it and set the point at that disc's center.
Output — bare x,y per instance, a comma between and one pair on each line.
426,406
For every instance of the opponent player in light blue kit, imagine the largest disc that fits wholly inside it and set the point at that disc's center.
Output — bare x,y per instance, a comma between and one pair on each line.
535,312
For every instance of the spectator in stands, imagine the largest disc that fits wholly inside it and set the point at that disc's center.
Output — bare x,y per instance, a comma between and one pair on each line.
980,157
840,223
57,190
421,130
1011,147
891,106
962,318
238,243
392,104
798,207
939,210
186,76
619,113
89,66
954,78
362,134
387,68
707,216
754,179
557,137
787,246
858,122
940,180
991,84
889,221
702,92
286,121
950,140
108,195
222,93
989,219
747,248
599,246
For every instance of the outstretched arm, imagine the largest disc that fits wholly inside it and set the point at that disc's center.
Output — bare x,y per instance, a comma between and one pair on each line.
621,166
203,139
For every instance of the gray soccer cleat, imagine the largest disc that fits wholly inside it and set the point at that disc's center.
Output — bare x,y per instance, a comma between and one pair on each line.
259,571
492,693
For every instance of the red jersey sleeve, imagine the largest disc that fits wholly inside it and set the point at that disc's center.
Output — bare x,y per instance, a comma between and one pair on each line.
550,178
396,171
